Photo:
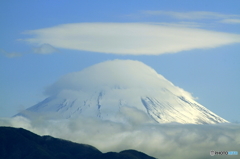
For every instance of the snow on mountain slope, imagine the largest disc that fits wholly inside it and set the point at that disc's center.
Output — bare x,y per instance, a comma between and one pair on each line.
121,90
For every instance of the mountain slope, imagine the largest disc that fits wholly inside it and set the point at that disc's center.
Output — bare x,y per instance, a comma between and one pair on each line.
18,143
120,90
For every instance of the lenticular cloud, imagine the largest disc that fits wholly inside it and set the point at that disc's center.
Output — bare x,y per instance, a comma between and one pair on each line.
130,38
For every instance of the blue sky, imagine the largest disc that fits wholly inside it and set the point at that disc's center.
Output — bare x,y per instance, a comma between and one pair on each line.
32,56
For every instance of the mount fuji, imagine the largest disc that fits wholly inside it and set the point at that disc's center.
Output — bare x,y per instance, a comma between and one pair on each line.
121,90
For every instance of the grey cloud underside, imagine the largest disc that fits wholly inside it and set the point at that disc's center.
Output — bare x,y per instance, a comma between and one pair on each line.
121,90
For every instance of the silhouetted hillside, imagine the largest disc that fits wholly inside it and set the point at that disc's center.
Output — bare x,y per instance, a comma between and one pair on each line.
18,143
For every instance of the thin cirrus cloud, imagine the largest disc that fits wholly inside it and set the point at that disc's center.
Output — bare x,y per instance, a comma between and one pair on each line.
196,15
10,54
129,38
231,21
44,49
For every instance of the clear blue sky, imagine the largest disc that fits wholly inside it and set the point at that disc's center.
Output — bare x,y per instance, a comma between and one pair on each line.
212,74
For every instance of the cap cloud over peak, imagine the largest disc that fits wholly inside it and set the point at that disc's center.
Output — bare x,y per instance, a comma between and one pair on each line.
124,74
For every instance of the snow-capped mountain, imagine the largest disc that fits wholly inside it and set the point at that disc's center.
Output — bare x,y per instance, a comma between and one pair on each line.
121,90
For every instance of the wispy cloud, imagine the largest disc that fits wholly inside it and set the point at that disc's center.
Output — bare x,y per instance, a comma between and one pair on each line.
168,141
44,49
10,54
181,24
231,21
191,15
130,38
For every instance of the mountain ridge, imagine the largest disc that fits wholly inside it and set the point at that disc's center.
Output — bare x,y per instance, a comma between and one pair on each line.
18,143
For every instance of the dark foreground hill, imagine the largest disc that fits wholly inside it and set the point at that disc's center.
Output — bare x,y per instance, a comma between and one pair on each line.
18,143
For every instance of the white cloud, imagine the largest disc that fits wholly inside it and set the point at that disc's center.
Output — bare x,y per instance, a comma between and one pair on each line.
44,49
10,54
110,74
182,24
231,21
168,141
130,38
191,15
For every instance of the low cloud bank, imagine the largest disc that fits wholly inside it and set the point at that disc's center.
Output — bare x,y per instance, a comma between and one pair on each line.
129,38
168,141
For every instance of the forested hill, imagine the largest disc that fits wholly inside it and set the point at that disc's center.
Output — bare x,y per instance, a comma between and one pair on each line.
18,143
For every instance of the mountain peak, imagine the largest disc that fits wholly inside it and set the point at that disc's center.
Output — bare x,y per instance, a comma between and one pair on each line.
122,90
115,73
